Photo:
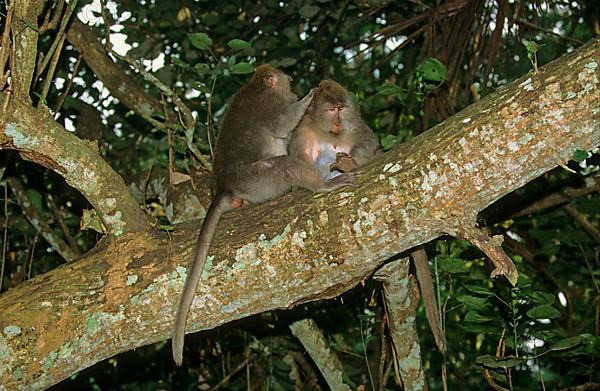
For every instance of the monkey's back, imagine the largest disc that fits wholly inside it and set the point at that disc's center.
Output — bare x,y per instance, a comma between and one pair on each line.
249,133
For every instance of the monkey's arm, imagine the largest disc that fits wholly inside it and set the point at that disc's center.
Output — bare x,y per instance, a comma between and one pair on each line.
299,108
366,146
289,171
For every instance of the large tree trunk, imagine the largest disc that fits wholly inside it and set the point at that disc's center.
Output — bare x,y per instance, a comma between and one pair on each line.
123,294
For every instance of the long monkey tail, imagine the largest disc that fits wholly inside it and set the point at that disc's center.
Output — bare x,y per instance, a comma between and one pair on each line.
419,257
220,204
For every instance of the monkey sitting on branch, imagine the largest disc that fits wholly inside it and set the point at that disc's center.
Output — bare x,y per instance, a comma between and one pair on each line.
332,138
251,163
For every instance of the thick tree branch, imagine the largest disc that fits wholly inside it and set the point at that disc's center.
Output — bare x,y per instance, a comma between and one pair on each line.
120,85
401,298
25,37
39,138
123,294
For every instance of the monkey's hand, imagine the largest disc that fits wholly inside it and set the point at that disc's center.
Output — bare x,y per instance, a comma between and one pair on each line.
339,181
343,163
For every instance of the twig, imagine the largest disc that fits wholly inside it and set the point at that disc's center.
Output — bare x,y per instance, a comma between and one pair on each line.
31,254
590,270
4,235
231,374
68,86
59,37
548,31
61,223
582,221
106,25
592,184
312,377
39,222
50,74
366,356
4,50
50,22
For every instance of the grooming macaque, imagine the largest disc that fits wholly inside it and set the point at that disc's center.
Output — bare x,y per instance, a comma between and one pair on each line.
333,139
251,164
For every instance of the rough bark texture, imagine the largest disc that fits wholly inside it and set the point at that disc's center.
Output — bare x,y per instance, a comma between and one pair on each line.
402,298
123,294
35,134
317,347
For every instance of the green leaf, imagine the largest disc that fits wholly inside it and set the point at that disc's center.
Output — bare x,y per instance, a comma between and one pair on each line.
473,316
544,311
238,44
202,68
579,155
178,62
567,343
242,68
489,361
433,70
477,303
539,297
453,265
480,290
389,89
200,40
389,140
532,47
31,25
201,87
308,11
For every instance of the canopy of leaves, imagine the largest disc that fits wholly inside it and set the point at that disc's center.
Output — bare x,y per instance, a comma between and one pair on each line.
410,66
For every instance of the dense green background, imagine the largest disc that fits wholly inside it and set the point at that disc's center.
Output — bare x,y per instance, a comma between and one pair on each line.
402,92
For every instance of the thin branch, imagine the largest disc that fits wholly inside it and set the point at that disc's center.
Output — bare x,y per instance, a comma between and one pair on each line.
4,234
50,74
583,221
39,222
52,18
57,43
6,47
549,31
234,372
311,337
68,86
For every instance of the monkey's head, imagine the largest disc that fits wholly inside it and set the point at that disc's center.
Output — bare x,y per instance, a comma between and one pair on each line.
332,106
270,79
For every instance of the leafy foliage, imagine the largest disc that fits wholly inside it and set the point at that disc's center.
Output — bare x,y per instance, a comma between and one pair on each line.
411,65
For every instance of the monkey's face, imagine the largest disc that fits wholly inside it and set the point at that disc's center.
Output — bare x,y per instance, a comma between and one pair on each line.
331,106
330,113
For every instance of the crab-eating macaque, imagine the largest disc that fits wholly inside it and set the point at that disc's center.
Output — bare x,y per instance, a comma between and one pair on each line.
251,164
333,139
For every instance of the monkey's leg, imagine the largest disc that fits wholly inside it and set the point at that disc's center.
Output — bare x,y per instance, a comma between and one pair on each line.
277,175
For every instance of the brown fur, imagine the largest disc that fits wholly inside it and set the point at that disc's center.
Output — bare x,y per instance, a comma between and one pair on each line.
251,164
332,129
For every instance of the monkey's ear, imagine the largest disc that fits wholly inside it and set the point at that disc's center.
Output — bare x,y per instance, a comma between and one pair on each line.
269,79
